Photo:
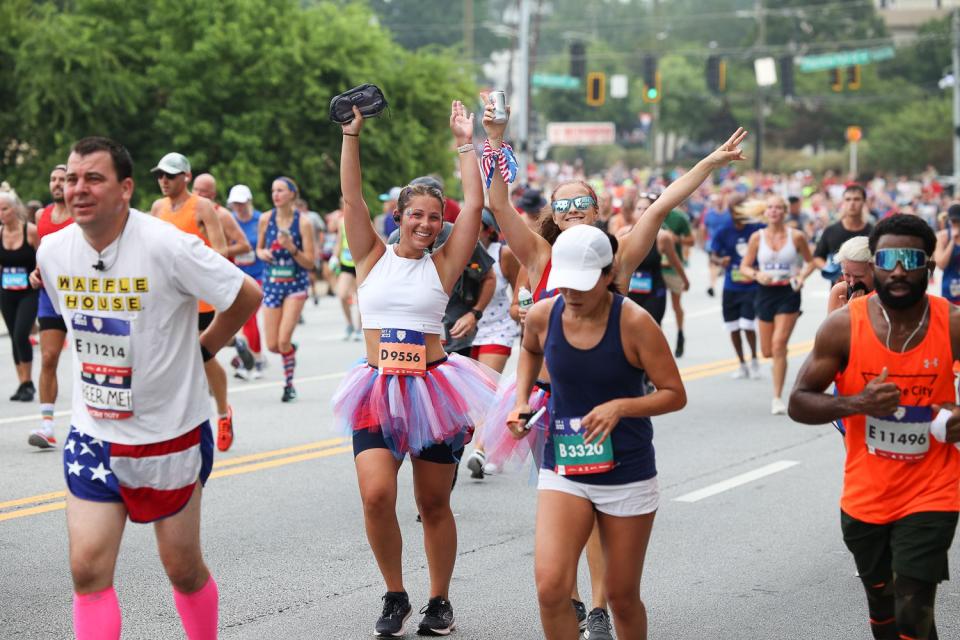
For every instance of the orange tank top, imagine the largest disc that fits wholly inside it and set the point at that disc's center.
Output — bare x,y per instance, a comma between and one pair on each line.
894,467
185,219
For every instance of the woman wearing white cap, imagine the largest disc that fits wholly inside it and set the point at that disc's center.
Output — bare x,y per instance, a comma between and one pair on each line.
599,459
856,273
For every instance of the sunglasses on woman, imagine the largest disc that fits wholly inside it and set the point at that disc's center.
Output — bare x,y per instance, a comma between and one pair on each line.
910,259
580,203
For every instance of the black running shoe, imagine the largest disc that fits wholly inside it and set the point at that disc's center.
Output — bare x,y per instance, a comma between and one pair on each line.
710,291
678,352
598,626
396,611
437,618
581,610
289,393
244,353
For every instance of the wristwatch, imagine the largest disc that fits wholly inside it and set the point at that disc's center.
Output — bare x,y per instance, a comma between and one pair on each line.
477,314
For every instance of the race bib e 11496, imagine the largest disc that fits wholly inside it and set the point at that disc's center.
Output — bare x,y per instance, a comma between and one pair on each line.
903,435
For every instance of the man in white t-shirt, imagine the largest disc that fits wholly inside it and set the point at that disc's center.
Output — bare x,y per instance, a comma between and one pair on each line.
140,444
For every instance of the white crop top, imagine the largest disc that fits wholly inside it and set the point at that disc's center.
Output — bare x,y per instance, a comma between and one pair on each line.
401,293
780,265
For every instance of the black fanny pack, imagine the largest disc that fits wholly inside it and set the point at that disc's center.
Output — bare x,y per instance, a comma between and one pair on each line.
367,97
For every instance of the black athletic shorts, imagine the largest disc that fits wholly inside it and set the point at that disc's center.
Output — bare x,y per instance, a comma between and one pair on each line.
914,546
52,322
206,317
772,301
442,453
345,269
739,304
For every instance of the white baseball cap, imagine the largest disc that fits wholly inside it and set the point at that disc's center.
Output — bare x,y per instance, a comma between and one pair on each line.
579,256
239,193
172,163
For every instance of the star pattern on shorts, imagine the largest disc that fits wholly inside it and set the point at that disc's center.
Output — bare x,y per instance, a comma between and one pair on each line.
75,467
85,448
97,441
100,473
71,446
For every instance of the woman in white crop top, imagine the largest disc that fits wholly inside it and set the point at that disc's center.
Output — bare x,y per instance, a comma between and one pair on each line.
779,259
409,396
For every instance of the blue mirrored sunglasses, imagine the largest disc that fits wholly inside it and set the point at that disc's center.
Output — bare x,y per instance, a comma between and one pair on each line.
580,203
911,259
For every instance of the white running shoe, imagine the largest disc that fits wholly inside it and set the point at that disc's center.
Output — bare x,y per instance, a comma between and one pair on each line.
475,463
742,373
491,469
755,369
777,407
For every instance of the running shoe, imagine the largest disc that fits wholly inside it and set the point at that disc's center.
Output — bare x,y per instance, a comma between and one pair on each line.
475,463
225,430
289,393
678,352
743,373
581,610
349,334
777,407
755,369
41,439
243,351
357,335
491,469
437,618
24,392
396,612
257,372
598,626
242,374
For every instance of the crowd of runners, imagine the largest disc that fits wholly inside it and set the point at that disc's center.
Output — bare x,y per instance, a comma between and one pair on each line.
573,273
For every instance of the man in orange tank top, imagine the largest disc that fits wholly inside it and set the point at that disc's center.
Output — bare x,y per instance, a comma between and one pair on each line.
195,215
892,357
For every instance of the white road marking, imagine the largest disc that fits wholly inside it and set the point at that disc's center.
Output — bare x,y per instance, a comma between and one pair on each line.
736,481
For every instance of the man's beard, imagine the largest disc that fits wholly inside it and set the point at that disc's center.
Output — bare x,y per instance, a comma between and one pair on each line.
917,291
58,199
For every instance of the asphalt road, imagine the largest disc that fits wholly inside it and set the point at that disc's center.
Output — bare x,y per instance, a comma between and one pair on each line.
746,542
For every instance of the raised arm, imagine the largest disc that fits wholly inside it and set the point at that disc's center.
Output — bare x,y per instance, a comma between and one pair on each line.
452,257
529,247
365,245
637,243
944,249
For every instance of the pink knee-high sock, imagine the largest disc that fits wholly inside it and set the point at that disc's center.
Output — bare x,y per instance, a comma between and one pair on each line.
198,611
96,616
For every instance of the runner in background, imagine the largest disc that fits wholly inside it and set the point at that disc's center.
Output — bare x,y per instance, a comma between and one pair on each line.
346,288
240,201
856,273
18,300
53,331
947,255
678,224
739,291
285,244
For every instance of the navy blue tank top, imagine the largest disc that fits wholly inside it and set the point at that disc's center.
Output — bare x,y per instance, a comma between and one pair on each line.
582,379
950,288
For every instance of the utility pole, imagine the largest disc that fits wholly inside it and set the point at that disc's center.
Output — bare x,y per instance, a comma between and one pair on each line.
522,104
761,105
956,102
468,29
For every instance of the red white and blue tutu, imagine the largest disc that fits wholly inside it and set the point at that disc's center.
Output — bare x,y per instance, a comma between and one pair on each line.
500,446
416,412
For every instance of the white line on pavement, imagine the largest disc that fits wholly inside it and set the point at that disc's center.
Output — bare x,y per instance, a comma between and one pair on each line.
736,481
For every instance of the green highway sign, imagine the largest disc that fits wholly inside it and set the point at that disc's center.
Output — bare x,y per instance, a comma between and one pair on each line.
838,59
555,81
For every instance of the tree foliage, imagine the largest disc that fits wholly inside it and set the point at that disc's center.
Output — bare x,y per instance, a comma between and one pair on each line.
242,87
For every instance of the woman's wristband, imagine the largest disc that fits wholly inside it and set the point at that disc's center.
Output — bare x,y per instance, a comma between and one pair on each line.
352,135
207,356
465,147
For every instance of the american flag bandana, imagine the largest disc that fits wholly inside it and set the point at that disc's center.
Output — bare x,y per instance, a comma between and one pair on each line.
501,158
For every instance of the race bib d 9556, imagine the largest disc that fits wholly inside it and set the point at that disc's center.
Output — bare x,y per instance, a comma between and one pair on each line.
102,346
573,456
903,436
403,352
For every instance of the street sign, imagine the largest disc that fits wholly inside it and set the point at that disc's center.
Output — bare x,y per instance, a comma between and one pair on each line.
555,81
581,134
766,71
809,64
618,86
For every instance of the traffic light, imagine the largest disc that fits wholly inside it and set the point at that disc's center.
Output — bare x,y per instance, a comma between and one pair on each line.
836,80
651,80
578,60
786,76
716,74
596,88
853,77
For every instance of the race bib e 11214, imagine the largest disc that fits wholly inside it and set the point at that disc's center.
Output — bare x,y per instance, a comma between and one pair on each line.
103,346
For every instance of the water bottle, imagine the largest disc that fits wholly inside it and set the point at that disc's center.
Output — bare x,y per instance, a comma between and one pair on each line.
524,298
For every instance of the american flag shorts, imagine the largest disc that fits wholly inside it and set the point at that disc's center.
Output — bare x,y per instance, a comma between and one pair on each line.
153,481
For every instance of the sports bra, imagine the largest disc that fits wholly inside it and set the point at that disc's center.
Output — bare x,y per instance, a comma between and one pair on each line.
403,293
